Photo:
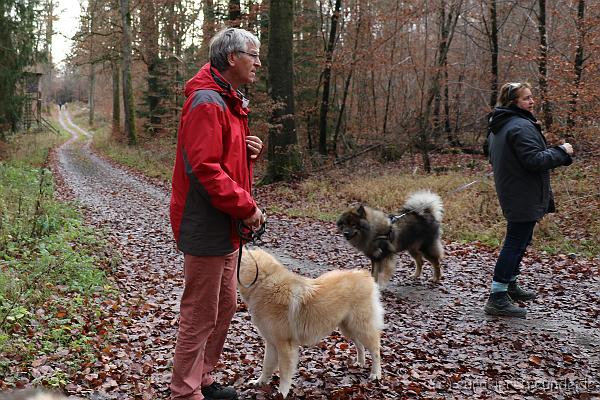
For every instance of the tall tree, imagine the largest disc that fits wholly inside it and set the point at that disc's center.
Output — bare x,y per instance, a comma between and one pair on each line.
447,28
543,65
345,93
17,50
284,156
92,5
388,94
493,43
208,27
149,49
116,97
235,13
128,103
578,62
335,16
48,70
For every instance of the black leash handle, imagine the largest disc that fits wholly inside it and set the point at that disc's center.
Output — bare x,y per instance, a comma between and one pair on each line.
248,235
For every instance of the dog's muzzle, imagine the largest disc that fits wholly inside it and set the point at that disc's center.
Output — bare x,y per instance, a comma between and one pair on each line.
349,234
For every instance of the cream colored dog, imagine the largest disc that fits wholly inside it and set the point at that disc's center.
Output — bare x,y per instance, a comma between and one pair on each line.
31,394
290,310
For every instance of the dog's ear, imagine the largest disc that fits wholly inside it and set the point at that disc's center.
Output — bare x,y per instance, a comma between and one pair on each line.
361,211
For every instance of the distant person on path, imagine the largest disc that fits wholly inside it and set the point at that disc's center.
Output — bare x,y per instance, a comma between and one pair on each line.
211,192
521,162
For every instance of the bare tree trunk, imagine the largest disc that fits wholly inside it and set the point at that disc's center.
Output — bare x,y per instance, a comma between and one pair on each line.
327,78
128,103
493,38
452,135
391,76
447,29
347,86
92,77
543,65
116,99
48,49
208,27
92,91
578,63
284,157
149,48
235,13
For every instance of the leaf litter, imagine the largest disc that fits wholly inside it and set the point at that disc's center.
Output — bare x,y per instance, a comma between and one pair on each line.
437,342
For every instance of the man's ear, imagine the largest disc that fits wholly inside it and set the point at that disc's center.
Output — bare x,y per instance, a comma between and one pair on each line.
231,59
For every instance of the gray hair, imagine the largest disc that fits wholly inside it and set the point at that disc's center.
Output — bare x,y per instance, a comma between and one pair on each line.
227,41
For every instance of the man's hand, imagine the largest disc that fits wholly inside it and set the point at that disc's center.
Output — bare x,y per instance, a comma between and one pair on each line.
255,146
255,220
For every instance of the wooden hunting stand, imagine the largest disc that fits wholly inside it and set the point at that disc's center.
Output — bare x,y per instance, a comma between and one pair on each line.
32,107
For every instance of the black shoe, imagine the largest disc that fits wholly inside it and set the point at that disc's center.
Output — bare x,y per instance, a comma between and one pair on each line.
217,392
500,303
516,292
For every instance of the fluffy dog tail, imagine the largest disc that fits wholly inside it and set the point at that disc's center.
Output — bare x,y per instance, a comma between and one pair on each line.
425,202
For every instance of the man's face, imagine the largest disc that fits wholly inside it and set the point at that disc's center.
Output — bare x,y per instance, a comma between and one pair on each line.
243,65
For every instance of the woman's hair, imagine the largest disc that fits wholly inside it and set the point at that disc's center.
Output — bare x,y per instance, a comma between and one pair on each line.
509,93
227,41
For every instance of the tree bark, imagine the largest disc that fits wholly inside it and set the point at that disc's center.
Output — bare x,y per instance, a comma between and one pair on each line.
493,38
116,99
235,13
578,63
347,85
208,27
284,157
149,48
543,65
447,29
128,102
92,76
92,91
327,79
391,76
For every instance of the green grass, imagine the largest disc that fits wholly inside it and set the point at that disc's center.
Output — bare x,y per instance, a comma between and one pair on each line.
471,214
53,271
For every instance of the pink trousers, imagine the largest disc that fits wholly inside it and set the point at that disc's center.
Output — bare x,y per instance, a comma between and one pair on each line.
207,307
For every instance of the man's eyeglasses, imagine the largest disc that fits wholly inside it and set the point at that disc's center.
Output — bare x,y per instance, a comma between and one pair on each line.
255,57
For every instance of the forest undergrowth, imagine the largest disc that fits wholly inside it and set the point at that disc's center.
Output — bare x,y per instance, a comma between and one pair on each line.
464,181
53,272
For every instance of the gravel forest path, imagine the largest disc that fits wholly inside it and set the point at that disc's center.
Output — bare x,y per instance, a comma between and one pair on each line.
437,342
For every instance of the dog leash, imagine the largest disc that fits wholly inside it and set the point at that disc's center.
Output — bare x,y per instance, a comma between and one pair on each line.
247,235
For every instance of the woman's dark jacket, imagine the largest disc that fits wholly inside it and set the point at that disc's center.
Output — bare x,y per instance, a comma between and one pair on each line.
522,164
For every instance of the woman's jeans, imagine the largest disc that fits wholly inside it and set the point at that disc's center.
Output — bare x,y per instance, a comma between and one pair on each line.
518,236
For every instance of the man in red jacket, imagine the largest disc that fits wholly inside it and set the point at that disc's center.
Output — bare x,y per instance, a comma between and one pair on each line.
211,192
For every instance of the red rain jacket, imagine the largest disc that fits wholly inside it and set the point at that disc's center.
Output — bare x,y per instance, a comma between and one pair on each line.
212,177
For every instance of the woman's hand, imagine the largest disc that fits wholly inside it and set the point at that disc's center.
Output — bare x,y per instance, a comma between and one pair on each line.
568,148
255,146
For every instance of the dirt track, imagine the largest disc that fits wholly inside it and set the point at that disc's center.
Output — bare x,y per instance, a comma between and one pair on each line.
437,342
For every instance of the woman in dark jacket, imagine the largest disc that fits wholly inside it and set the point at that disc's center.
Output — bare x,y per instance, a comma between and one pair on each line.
522,163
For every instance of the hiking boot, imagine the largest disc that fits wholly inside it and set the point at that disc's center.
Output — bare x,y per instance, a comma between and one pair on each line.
216,391
500,303
516,292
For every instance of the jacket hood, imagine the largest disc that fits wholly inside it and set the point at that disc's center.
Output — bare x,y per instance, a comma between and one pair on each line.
204,80
501,115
